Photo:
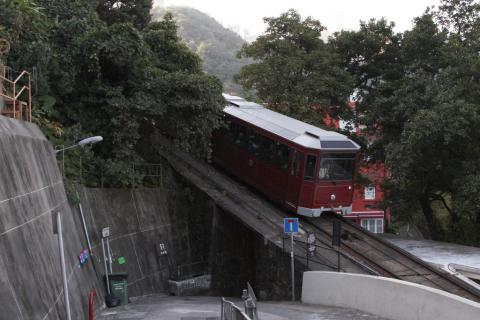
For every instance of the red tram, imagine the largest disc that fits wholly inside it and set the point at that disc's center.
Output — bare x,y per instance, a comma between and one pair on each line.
306,169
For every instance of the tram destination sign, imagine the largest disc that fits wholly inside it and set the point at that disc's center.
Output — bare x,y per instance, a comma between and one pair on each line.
290,225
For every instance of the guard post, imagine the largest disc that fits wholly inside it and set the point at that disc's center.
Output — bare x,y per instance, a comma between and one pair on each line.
290,226
336,239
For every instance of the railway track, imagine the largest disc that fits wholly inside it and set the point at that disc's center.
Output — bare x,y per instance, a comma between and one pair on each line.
388,260
362,250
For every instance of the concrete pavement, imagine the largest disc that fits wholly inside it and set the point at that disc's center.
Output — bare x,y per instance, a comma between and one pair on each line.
208,308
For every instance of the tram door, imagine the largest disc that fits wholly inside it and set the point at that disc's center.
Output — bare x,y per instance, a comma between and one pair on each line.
294,178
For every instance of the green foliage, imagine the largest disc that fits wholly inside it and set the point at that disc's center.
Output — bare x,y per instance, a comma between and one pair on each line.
118,79
459,16
419,96
294,71
136,12
216,45
171,54
370,54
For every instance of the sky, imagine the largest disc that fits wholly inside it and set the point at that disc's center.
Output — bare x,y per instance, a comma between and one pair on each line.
246,16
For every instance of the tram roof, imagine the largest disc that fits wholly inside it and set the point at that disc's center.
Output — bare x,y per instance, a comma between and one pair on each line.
291,129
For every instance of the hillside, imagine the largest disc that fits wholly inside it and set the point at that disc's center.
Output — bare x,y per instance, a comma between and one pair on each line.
215,44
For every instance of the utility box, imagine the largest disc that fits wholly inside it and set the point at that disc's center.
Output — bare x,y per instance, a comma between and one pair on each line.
118,286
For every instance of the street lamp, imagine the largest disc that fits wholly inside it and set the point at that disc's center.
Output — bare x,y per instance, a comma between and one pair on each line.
58,222
81,143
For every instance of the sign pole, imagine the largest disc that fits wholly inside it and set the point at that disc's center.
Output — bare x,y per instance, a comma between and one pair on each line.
290,225
292,261
63,265
105,265
336,240
105,235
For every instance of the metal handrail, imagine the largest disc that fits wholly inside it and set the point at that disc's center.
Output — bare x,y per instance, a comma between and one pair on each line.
456,266
229,311
6,96
6,79
20,92
16,95
17,79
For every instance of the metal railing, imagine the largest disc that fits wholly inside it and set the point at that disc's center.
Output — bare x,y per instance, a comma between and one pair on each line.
17,93
149,173
229,311
317,251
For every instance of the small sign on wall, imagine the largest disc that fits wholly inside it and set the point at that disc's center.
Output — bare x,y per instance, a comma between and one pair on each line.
163,249
83,257
106,232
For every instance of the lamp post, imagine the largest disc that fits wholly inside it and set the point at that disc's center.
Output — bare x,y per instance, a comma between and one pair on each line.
58,223
81,143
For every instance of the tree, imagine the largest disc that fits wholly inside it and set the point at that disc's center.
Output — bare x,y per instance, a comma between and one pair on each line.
294,71
116,81
459,16
170,53
435,155
136,12
371,54
419,98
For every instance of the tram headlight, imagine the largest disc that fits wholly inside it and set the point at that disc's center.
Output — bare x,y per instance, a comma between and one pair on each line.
332,197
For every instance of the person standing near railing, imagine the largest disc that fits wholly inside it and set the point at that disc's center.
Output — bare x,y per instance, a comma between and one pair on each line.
249,304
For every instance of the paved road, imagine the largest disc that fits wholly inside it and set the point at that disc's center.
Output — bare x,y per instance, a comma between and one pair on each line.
208,308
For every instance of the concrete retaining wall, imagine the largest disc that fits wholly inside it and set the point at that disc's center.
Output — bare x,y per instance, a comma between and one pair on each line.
149,228
388,298
160,232
31,189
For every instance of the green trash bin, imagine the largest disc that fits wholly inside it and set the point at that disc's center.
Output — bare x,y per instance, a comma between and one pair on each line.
118,285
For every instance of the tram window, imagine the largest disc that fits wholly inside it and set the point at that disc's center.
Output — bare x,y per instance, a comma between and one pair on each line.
293,163
337,167
240,136
295,166
310,167
280,155
254,142
265,146
230,132
299,164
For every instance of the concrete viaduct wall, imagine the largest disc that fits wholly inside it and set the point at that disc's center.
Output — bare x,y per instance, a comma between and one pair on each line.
31,189
385,297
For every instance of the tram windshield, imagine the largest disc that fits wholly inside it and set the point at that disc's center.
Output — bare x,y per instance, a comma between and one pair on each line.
337,166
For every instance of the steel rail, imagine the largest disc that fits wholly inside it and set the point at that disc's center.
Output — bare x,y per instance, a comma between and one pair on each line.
379,270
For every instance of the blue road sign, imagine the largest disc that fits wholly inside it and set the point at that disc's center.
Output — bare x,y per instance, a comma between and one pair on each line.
290,225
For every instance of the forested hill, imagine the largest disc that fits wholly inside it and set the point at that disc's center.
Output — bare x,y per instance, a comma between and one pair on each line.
215,44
